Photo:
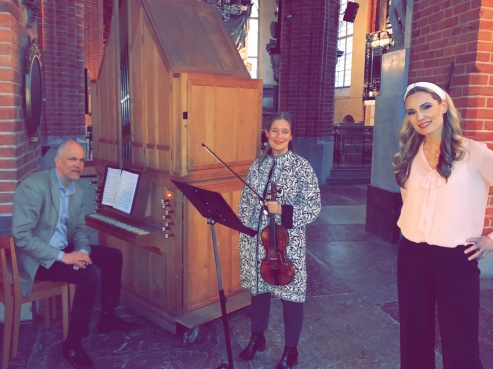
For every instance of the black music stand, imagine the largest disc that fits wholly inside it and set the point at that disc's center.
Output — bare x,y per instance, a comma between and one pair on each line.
211,205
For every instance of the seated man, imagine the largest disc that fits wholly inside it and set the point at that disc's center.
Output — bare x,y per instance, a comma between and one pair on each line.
52,243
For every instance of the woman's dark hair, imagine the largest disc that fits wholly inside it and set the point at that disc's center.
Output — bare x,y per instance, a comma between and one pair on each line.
277,116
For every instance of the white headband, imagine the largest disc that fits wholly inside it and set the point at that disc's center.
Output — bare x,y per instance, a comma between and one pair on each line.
428,85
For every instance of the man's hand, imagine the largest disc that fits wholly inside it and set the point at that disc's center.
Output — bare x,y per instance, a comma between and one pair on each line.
76,258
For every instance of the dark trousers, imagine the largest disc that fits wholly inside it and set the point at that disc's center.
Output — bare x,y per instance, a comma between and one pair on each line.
293,314
104,275
430,276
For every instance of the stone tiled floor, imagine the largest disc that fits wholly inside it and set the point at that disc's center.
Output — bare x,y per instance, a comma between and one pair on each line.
351,318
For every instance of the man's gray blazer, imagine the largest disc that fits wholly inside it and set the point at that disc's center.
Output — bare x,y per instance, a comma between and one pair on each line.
34,219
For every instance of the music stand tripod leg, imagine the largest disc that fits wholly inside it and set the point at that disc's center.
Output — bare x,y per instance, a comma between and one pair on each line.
222,299
212,206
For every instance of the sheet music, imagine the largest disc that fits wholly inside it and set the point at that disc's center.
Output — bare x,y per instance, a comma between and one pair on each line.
111,184
126,191
119,189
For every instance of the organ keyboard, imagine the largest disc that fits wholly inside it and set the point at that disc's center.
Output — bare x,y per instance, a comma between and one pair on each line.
128,229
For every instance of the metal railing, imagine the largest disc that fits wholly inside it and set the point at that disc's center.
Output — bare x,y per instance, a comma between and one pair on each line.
353,145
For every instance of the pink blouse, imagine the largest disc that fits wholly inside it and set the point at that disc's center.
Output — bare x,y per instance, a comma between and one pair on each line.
446,213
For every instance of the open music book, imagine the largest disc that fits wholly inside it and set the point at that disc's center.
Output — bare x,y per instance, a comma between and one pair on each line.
119,190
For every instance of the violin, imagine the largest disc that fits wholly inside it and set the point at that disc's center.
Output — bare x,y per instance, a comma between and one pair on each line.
276,268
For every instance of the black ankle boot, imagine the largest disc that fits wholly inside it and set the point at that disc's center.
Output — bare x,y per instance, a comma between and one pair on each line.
289,358
257,343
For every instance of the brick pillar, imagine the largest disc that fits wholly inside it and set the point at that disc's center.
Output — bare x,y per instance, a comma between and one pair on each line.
62,48
18,156
307,76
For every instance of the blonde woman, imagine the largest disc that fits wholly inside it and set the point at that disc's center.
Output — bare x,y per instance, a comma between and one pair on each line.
444,179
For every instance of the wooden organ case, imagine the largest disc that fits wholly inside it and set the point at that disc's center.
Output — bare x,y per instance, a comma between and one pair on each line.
170,80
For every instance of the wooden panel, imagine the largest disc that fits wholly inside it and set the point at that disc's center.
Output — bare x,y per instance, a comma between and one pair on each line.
137,73
106,105
196,257
172,247
201,126
96,112
194,38
159,99
248,124
224,113
143,85
146,275
234,202
144,282
180,125
200,278
163,125
151,99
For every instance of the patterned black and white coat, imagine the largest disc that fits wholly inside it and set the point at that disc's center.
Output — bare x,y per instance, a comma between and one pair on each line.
299,195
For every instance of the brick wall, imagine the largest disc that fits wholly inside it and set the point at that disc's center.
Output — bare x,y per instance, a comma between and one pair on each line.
372,24
345,105
62,48
452,42
70,34
308,59
18,156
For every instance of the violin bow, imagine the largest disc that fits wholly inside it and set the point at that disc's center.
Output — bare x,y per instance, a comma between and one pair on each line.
232,171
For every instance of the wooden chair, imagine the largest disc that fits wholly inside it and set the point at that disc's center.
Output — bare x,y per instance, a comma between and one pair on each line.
7,299
41,290
50,306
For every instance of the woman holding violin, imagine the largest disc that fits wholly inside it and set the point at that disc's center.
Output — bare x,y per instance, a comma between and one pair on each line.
274,261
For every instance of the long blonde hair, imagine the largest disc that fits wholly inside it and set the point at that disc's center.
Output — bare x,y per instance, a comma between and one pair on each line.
451,148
